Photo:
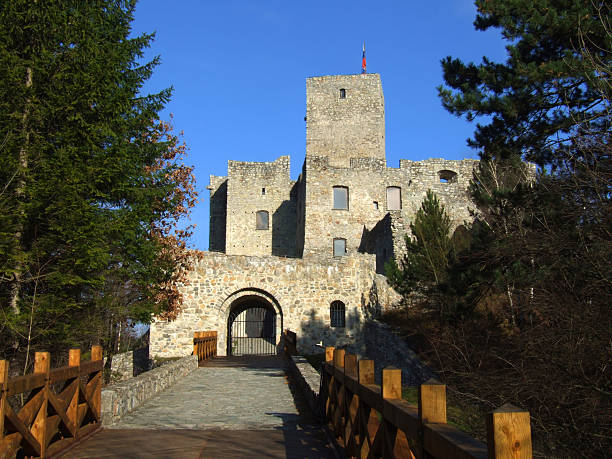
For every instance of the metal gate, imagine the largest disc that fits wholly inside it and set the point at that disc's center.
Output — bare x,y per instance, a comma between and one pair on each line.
252,331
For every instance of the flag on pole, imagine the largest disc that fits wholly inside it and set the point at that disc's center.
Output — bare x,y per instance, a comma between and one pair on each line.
363,60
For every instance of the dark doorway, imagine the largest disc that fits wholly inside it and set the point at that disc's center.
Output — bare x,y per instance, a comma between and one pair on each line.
252,328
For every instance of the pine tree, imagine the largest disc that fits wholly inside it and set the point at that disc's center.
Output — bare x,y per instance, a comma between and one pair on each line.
91,183
540,98
428,251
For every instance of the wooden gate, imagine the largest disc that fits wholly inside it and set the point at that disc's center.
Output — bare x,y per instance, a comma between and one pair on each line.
252,331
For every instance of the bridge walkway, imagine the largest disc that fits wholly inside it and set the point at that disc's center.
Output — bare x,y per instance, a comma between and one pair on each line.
228,408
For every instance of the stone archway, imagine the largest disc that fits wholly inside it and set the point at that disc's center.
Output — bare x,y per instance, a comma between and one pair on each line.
253,323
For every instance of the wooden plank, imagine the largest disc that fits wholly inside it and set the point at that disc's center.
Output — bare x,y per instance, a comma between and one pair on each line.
12,421
89,367
402,415
29,411
391,383
9,445
62,374
96,353
432,402
509,433
60,407
42,365
339,358
4,372
442,440
370,394
74,357
22,384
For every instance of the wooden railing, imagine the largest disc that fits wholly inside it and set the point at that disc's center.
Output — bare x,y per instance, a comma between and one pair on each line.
62,405
205,345
370,421
289,343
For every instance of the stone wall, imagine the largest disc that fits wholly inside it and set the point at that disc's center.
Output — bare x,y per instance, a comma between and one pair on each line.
260,186
299,290
121,398
308,380
387,347
218,213
345,127
367,182
128,364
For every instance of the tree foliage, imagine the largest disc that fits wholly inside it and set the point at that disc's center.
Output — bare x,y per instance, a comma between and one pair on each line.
92,183
532,280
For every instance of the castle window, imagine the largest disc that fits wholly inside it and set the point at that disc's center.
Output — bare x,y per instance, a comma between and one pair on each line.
340,197
394,198
262,219
339,247
376,205
447,176
337,312
343,94
263,191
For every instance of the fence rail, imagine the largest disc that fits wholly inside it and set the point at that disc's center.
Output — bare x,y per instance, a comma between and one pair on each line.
62,405
371,421
205,345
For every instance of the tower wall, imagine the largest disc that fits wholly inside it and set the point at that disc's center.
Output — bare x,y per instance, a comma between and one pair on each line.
346,127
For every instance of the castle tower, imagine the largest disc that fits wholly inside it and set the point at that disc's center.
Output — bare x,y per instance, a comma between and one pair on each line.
345,118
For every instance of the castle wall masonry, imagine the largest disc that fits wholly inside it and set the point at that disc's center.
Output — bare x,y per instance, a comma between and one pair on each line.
288,265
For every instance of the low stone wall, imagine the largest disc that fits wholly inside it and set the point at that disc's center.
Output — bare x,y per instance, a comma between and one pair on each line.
308,380
129,364
121,398
387,347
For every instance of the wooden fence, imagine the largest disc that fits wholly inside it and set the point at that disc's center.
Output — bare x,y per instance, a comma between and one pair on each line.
370,421
62,405
205,345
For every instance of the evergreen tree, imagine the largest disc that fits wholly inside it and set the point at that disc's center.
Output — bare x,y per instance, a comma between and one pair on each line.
428,252
91,183
540,98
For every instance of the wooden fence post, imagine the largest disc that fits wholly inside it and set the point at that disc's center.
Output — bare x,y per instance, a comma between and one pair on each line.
195,345
329,354
365,371
339,358
350,365
4,369
391,383
42,364
432,402
96,354
74,360
509,433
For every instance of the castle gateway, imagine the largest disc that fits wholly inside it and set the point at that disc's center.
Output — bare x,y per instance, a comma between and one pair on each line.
308,255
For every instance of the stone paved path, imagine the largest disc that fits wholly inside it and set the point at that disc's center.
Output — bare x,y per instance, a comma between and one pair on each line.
229,408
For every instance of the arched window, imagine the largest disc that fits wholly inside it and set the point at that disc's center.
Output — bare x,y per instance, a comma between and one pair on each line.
262,220
394,198
341,197
447,176
336,314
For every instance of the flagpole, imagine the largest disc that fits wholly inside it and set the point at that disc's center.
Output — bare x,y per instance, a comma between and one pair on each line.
363,60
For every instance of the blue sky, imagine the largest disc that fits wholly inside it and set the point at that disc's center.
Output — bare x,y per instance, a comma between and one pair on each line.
239,69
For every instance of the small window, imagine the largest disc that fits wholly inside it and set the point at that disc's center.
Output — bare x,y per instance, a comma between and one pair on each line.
340,197
343,94
337,313
339,247
447,176
263,191
262,220
376,205
394,198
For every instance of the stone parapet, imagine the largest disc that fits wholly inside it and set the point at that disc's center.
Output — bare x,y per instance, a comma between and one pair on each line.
308,380
123,397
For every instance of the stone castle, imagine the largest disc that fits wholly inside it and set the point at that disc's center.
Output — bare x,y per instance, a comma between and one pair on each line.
308,254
